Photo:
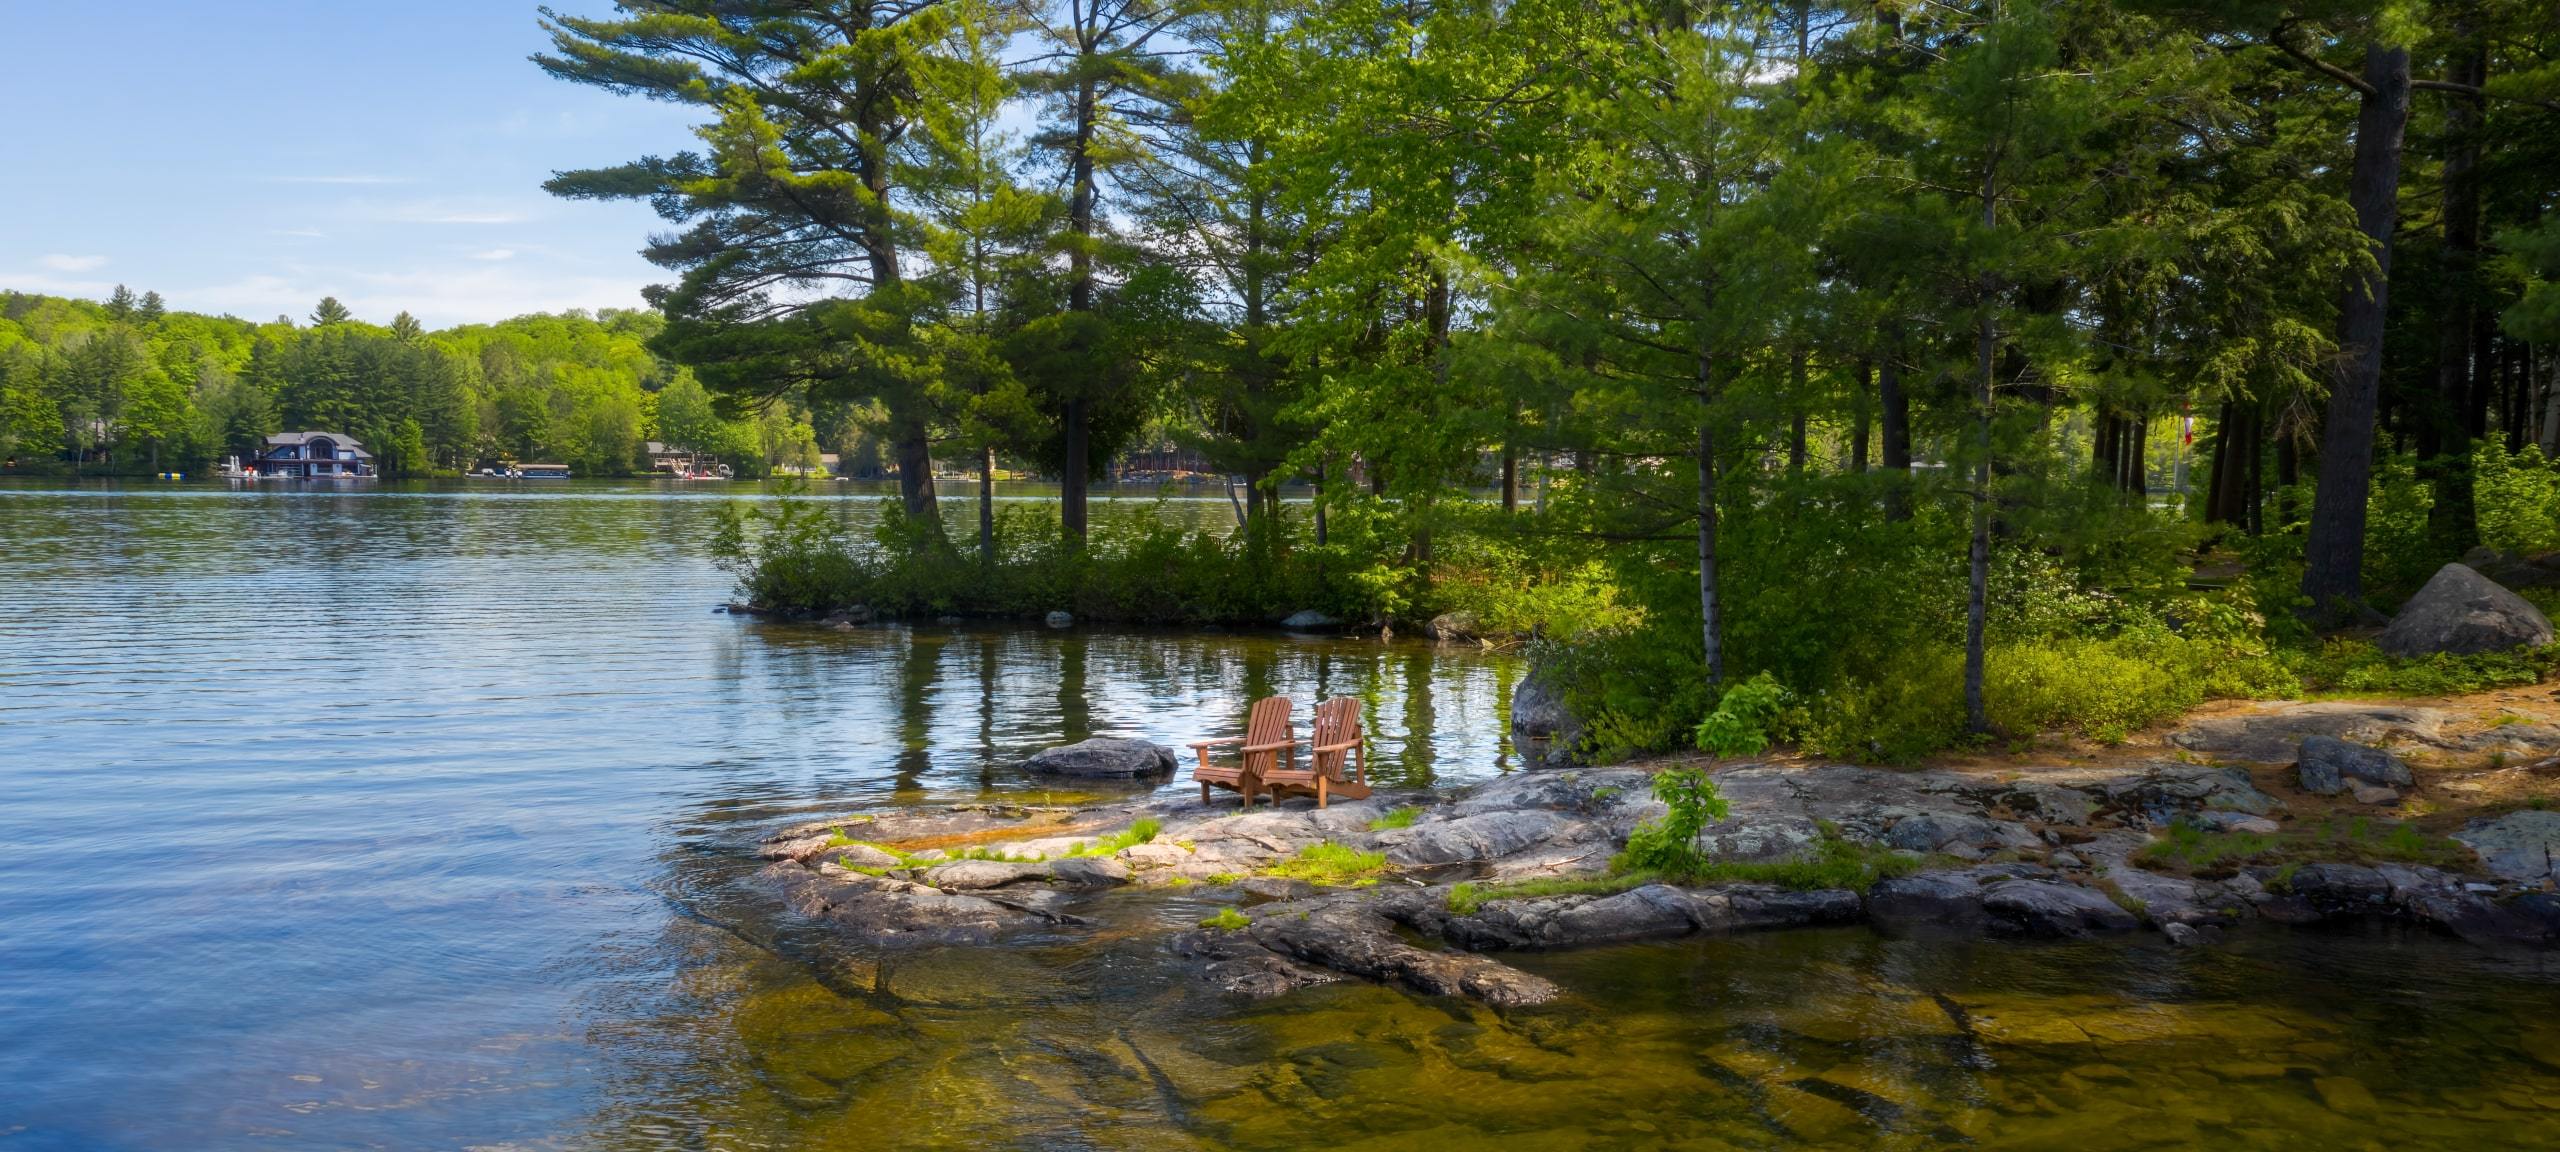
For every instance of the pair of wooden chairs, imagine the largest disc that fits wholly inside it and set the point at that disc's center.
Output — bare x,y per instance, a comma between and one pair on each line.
1266,760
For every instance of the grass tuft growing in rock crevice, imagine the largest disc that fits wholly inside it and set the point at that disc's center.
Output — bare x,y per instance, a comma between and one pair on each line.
2188,849
1332,865
1467,897
1227,920
1402,817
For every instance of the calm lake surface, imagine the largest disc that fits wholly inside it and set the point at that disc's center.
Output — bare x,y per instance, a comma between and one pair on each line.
420,817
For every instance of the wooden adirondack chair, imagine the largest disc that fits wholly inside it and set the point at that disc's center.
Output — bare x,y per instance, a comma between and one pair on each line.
1338,761
1258,755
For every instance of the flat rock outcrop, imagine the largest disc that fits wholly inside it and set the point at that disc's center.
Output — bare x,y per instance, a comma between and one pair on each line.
2043,853
2517,846
2273,733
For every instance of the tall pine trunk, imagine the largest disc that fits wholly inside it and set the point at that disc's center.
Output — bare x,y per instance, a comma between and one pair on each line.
2453,520
1894,424
1977,715
2333,553
1077,422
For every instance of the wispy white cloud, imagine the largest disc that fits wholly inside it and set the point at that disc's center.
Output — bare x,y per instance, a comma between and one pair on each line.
495,254
464,295
337,179
59,262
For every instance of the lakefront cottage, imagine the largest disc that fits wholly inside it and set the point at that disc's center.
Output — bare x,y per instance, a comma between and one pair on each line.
315,456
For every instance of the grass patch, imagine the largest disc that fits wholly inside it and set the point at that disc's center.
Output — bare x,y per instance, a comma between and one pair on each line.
1225,877
2125,900
1835,862
2190,850
1332,865
1465,898
1141,832
1396,818
1227,920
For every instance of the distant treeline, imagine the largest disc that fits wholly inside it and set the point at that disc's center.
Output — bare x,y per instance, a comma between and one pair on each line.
129,386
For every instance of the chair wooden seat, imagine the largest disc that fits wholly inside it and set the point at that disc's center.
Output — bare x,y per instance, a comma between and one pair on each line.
1258,752
1337,761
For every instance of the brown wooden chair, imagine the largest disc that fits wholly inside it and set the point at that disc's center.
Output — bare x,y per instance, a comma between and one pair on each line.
1337,761
1266,736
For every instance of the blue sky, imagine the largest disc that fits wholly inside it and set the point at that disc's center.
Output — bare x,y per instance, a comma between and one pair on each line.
251,157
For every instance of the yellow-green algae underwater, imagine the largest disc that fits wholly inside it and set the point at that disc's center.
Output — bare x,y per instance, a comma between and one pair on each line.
1835,1038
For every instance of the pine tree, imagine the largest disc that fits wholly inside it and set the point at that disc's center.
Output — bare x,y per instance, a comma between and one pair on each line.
151,309
120,305
330,312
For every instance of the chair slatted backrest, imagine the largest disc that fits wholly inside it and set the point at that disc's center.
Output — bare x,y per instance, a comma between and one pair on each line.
1267,724
1337,721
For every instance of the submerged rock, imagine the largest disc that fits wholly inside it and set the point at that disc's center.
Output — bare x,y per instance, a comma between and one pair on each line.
1060,620
1354,940
1104,757
2462,612
1308,620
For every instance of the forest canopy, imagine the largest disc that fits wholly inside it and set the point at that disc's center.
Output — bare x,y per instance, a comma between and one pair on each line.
129,386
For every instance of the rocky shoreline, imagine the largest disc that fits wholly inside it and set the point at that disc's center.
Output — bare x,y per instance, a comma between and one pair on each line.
2048,852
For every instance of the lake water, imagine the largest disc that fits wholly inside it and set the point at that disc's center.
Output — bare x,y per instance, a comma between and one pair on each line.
421,817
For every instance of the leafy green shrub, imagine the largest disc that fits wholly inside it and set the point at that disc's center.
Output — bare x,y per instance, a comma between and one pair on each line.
1668,843
1906,708
1740,724
2088,685
2356,666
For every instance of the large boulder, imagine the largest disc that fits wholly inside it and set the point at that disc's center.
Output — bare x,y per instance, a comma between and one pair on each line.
1105,758
1455,628
1309,620
1543,730
2517,846
2328,766
2461,611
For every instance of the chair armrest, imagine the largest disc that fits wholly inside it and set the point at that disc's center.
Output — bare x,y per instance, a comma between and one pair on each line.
1217,743
1345,745
1273,747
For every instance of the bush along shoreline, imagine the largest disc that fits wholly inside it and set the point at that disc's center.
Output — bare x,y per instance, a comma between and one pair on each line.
1870,679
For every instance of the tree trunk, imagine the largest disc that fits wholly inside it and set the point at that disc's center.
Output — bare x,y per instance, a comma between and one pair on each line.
2137,468
2453,520
1894,420
1977,715
1859,417
1711,623
1076,420
2333,554
1510,477
914,447
987,505
1320,524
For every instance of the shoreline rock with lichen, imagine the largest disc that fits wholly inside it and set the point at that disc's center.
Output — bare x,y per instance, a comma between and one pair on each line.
1440,885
